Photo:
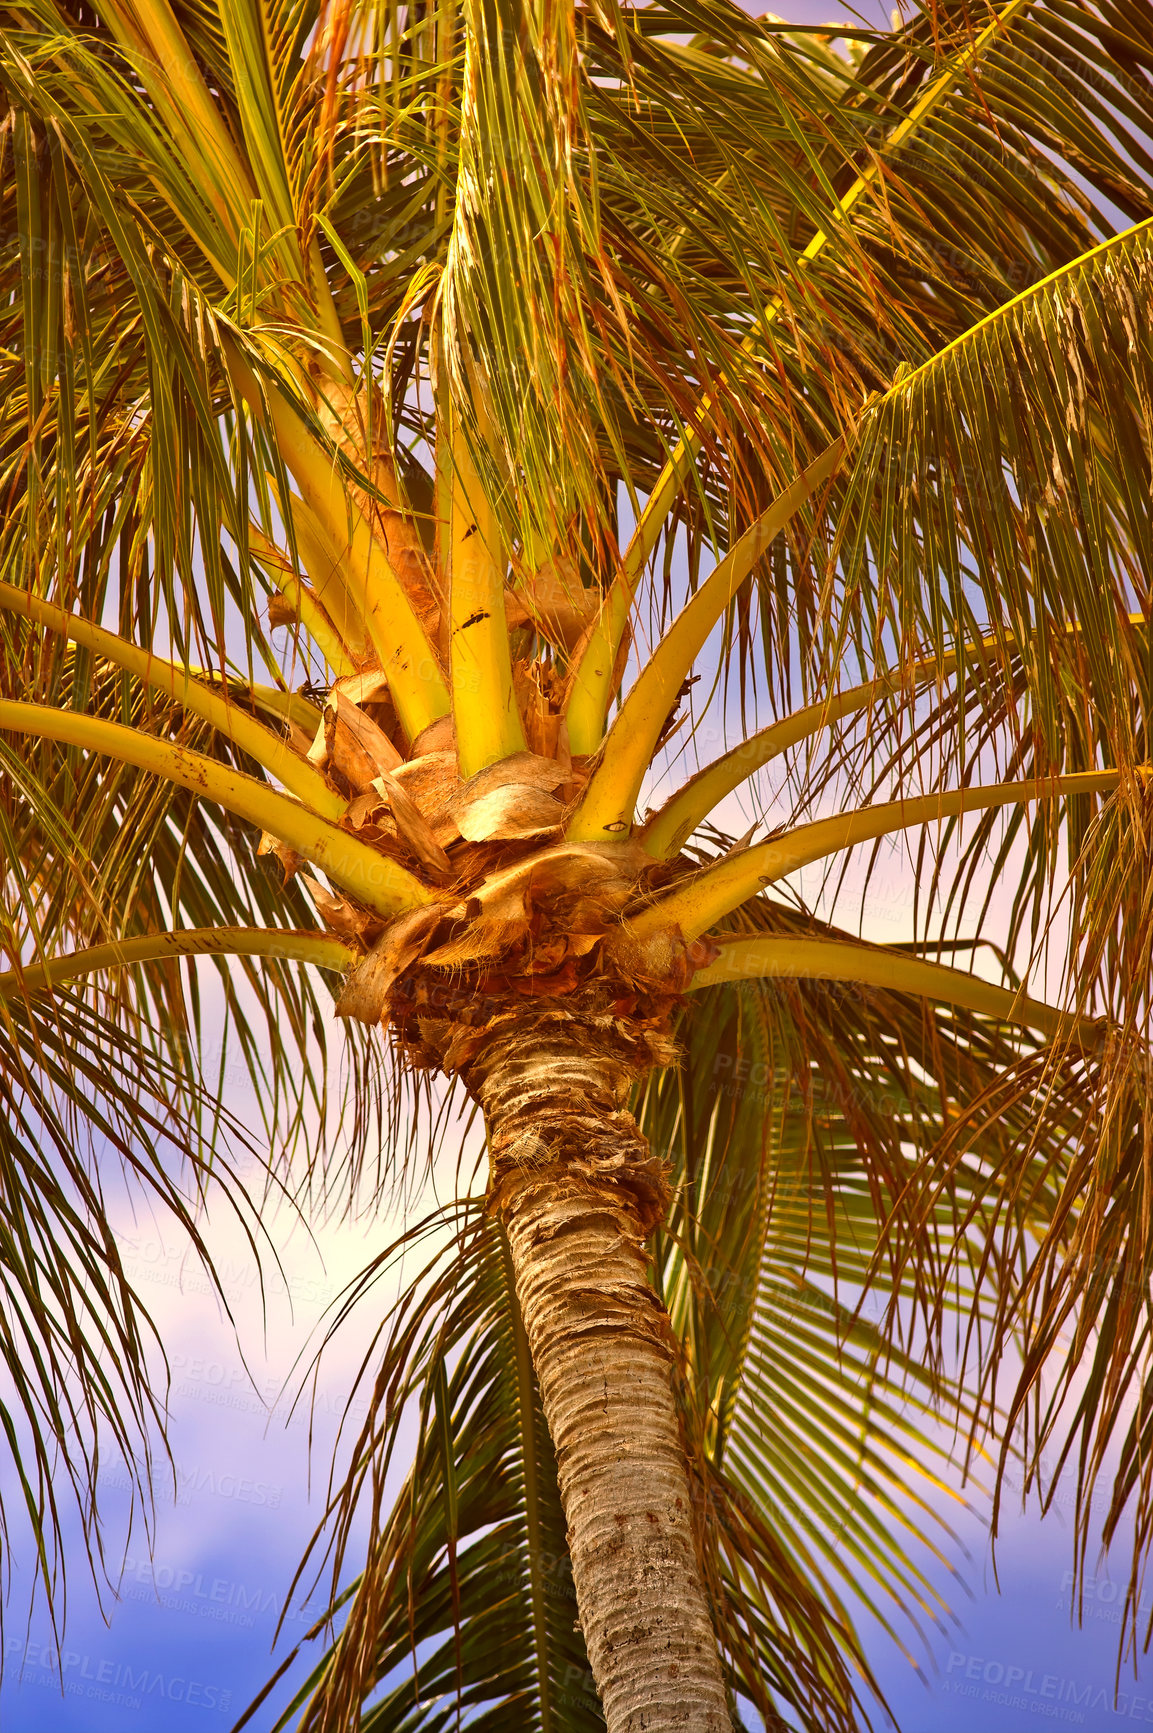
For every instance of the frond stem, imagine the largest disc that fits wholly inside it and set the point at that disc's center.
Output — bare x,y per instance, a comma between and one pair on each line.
378,882
244,731
488,723
706,897
1022,299
278,943
404,653
611,796
667,831
787,958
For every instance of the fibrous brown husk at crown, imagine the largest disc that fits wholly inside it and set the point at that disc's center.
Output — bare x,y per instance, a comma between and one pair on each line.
538,959
545,926
527,946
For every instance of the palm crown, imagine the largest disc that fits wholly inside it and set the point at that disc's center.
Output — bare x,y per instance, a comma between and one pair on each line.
447,338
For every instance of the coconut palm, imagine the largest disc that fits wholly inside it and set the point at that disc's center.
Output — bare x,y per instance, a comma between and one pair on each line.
522,364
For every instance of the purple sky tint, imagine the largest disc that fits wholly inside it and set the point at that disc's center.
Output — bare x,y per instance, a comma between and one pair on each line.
190,1640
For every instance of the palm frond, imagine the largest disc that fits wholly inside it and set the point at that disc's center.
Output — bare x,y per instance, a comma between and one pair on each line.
981,201
1079,1310
83,1366
1023,457
95,853
810,1277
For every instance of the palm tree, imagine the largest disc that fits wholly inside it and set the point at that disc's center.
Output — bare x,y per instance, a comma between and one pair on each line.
447,339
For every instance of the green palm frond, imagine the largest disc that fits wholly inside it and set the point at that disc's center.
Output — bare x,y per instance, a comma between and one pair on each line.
1011,531
572,265
953,1169
157,857
82,1095
125,1076
1008,538
839,1217
1079,1309
1021,473
983,199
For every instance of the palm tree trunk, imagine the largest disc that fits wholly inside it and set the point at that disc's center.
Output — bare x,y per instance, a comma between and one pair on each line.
579,1190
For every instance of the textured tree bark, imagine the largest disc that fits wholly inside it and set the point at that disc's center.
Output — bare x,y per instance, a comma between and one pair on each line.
579,1191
